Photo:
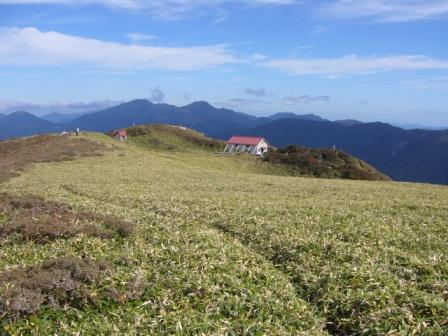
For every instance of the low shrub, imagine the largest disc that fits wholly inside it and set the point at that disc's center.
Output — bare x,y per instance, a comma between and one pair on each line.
56,283
33,219
323,162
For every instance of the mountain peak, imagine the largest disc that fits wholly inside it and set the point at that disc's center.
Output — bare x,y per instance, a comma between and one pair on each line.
21,114
200,103
139,101
22,123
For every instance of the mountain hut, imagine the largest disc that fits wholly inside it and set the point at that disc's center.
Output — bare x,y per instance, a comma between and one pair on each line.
246,144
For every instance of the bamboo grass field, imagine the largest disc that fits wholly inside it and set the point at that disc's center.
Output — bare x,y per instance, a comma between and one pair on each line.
234,246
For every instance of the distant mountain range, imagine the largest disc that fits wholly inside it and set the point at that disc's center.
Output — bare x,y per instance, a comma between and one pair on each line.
405,155
198,115
415,126
62,118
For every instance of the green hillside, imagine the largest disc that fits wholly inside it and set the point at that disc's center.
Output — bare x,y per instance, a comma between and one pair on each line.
291,161
168,137
159,236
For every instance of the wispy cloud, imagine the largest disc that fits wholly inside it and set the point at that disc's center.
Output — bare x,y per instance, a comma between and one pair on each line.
386,10
138,37
156,95
355,65
245,101
32,47
321,29
187,96
165,9
440,82
305,99
256,92
259,57
17,74
237,102
108,72
9,105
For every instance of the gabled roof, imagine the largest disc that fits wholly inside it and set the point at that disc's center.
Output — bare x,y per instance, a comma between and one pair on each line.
244,140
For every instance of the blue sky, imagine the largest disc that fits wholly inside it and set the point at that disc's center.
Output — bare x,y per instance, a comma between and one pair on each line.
363,59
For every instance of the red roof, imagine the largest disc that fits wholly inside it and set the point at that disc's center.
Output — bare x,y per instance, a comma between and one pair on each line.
244,140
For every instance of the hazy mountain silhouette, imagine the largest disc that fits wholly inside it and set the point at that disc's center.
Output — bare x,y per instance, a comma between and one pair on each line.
18,124
62,118
348,122
289,115
198,115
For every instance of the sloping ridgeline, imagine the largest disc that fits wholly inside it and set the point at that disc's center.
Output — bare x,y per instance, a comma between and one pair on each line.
291,161
404,155
169,137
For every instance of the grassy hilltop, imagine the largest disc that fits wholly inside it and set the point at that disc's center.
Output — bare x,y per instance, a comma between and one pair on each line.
161,236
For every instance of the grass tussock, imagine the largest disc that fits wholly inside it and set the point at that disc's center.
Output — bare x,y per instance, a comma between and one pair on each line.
18,154
31,218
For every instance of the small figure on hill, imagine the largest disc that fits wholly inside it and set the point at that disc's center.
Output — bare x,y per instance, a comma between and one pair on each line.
77,131
122,135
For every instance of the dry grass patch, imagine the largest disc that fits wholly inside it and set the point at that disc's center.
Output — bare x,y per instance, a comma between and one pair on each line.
56,283
17,154
61,283
34,219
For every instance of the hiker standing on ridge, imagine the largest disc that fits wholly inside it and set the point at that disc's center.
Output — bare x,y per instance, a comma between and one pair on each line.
77,131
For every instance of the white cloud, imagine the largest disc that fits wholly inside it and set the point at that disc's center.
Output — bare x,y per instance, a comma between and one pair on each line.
165,9
138,37
145,3
355,65
258,57
387,10
31,47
